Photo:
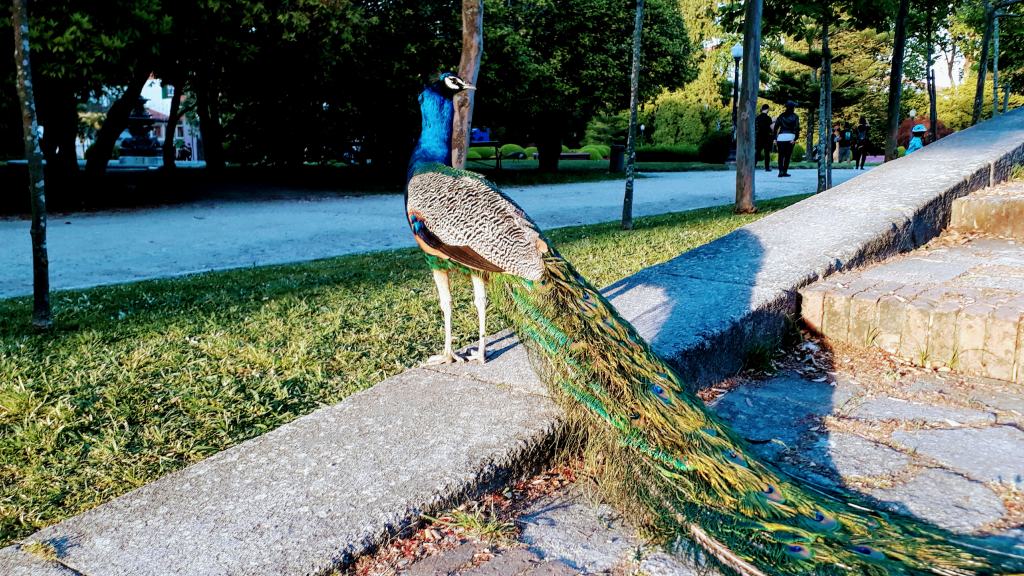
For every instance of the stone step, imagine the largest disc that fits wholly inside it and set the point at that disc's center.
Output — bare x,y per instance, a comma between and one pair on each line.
997,211
956,306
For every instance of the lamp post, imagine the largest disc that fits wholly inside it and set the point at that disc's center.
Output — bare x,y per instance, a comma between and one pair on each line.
737,55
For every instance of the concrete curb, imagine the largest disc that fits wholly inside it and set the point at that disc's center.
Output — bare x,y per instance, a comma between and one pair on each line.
327,487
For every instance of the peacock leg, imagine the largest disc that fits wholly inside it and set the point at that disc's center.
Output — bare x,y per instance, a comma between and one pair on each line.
480,299
444,295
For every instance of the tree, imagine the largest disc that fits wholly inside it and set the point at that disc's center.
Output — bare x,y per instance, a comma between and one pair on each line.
469,68
896,79
745,154
552,66
634,91
33,154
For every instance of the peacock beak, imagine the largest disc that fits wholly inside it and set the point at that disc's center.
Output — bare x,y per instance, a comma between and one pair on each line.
469,87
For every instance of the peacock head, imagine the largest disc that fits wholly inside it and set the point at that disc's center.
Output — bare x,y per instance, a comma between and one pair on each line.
448,85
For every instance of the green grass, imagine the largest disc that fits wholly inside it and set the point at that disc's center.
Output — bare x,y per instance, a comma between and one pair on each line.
138,380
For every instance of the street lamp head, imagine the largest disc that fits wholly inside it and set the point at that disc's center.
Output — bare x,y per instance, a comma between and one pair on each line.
737,51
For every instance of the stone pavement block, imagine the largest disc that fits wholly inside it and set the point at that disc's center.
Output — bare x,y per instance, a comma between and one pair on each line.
943,338
444,563
562,527
514,562
916,329
812,301
852,456
836,315
902,410
945,499
777,410
985,454
551,569
17,562
892,311
1018,365
864,317
1001,343
971,339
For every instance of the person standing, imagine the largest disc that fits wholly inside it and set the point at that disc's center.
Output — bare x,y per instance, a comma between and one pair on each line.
861,144
845,142
763,136
787,130
917,139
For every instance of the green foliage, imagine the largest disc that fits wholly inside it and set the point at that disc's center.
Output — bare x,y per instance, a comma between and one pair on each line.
513,151
483,152
607,129
473,154
715,148
679,119
594,151
668,153
798,151
530,151
901,150
565,148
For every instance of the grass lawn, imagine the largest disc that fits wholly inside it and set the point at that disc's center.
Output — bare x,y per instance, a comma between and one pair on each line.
141,379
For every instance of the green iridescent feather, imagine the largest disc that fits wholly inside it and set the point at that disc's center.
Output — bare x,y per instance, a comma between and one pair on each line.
690,472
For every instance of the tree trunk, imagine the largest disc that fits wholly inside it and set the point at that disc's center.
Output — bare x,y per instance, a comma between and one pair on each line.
549,144
209,126
979,91
170,152
896,81
469,70
951,64
1006,97
746,155
995,64
933,115
824,129
634,90
809,137
827,79
34,155
115,123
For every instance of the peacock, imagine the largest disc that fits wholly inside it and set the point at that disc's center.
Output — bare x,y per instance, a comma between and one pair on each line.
688,471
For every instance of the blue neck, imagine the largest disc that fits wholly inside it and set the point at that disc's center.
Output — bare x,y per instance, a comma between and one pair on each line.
435,143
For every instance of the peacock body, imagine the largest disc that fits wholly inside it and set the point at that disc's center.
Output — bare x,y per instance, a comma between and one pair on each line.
687,469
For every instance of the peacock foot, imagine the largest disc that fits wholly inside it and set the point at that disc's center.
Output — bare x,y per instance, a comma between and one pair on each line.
479,356
444,358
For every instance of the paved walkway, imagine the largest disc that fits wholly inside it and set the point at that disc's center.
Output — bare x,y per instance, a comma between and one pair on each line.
90,249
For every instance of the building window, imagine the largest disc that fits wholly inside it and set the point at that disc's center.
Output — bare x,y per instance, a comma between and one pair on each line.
181,131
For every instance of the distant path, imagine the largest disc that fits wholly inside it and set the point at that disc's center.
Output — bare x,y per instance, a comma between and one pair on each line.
90,249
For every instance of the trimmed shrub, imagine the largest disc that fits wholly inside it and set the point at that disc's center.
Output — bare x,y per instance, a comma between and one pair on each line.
798,152
594,151
667,153
605,150
473,154
530,151
565,148
485,152
902,151
715,148
514,151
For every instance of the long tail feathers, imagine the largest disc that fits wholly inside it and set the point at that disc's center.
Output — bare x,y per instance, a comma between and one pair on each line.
697,476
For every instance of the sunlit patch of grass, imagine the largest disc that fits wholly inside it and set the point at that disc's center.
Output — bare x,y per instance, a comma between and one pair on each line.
142,379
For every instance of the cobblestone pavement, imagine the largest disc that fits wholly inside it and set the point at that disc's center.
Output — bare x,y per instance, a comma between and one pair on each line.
939,446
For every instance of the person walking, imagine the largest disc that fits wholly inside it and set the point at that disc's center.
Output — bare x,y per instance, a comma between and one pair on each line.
861,144
763,136
787,130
